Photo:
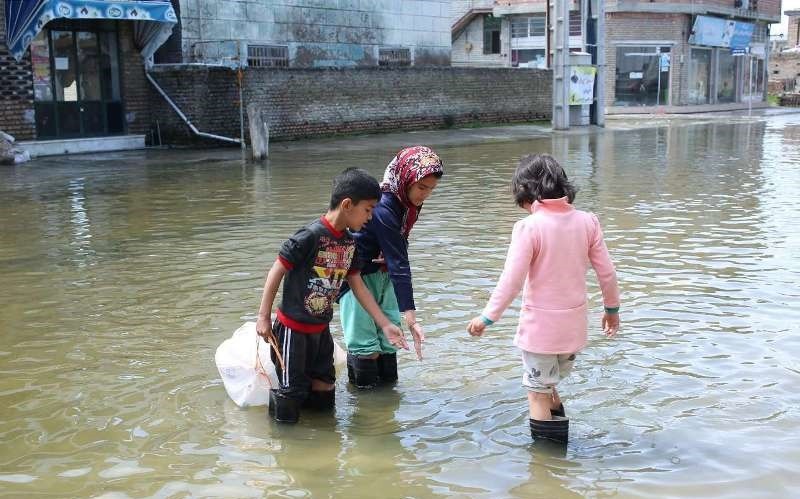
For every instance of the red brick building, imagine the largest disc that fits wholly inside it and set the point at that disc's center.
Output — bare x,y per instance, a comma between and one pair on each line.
687,53
793,33
74,69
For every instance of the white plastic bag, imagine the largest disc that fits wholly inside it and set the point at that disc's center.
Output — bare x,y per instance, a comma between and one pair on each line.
247,371
244,364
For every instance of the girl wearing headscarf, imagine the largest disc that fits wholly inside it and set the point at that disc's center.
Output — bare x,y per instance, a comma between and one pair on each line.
385,271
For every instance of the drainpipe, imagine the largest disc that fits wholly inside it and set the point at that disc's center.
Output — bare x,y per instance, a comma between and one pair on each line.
184,118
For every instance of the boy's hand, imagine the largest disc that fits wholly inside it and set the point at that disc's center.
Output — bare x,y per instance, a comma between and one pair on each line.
476,326
418,337
395,336
610,324
264,328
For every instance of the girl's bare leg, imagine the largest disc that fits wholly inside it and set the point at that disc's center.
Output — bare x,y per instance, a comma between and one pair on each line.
539,405
556,402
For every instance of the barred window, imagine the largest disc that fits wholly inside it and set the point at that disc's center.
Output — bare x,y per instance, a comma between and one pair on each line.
524,27
575,23
394,57
760,33
519,27
268,56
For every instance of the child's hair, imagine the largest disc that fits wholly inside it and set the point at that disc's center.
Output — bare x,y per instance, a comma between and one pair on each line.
356,184
539,176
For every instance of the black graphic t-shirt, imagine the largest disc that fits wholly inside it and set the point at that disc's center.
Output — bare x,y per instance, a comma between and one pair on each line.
318,257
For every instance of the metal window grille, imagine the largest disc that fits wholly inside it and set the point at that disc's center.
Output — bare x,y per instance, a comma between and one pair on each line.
575,23
538,26
267,56
760,33
519,27
524,27
394,57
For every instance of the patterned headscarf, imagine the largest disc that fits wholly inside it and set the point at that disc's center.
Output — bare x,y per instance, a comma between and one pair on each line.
411,165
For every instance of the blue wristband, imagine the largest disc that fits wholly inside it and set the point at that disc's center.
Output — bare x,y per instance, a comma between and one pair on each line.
486,320
612,310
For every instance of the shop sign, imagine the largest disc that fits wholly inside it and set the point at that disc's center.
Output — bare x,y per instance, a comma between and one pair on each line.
664,63
718,32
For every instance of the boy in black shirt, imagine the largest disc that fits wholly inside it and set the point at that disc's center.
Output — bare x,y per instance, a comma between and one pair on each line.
313,264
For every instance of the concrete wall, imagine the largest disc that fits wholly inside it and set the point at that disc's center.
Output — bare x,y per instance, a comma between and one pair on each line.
309,102
324,33
16,90
460,7
467,48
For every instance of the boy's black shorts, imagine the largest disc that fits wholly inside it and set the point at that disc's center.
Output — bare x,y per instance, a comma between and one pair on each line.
306,357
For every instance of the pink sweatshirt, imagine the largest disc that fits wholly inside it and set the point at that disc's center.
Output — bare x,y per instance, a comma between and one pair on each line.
550,252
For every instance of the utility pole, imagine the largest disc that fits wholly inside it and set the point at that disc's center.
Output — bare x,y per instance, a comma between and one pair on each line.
596,18
561,69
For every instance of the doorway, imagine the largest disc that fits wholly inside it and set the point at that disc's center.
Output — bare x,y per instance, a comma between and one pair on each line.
77,84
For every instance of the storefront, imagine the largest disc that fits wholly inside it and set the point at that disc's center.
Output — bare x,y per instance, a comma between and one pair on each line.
727,61
642,75
675,60
76,59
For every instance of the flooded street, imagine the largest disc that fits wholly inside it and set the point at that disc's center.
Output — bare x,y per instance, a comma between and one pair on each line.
122,273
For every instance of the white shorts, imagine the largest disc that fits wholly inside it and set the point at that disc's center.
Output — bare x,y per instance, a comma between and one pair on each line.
544,371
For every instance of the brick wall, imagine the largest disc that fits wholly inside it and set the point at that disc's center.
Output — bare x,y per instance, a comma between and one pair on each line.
136,90
309,102
640,27
16,90
792,34
208,96
784,71
769,8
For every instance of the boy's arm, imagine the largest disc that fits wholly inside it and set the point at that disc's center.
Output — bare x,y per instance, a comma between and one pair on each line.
393,333
607,278
274,277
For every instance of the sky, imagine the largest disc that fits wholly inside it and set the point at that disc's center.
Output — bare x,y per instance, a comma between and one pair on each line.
781,28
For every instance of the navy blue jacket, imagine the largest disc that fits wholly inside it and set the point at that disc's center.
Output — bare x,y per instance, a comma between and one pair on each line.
383,234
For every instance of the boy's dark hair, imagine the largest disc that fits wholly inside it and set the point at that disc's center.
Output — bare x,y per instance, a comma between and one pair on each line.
539,176
356,184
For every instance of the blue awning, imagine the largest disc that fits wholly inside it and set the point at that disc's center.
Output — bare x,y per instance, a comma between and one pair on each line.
26,18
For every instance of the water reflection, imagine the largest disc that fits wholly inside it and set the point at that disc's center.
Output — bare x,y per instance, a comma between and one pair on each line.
122,274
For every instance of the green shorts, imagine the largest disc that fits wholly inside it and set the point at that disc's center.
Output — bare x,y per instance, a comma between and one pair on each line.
362,336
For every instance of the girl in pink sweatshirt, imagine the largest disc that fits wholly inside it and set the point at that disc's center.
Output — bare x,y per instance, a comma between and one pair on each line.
550,251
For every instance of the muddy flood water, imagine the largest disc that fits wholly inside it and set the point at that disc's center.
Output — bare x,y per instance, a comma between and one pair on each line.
122,273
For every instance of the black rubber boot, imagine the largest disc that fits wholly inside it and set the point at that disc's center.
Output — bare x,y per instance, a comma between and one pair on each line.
387,368
283,409
321,400
554,430
362,372
558,412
